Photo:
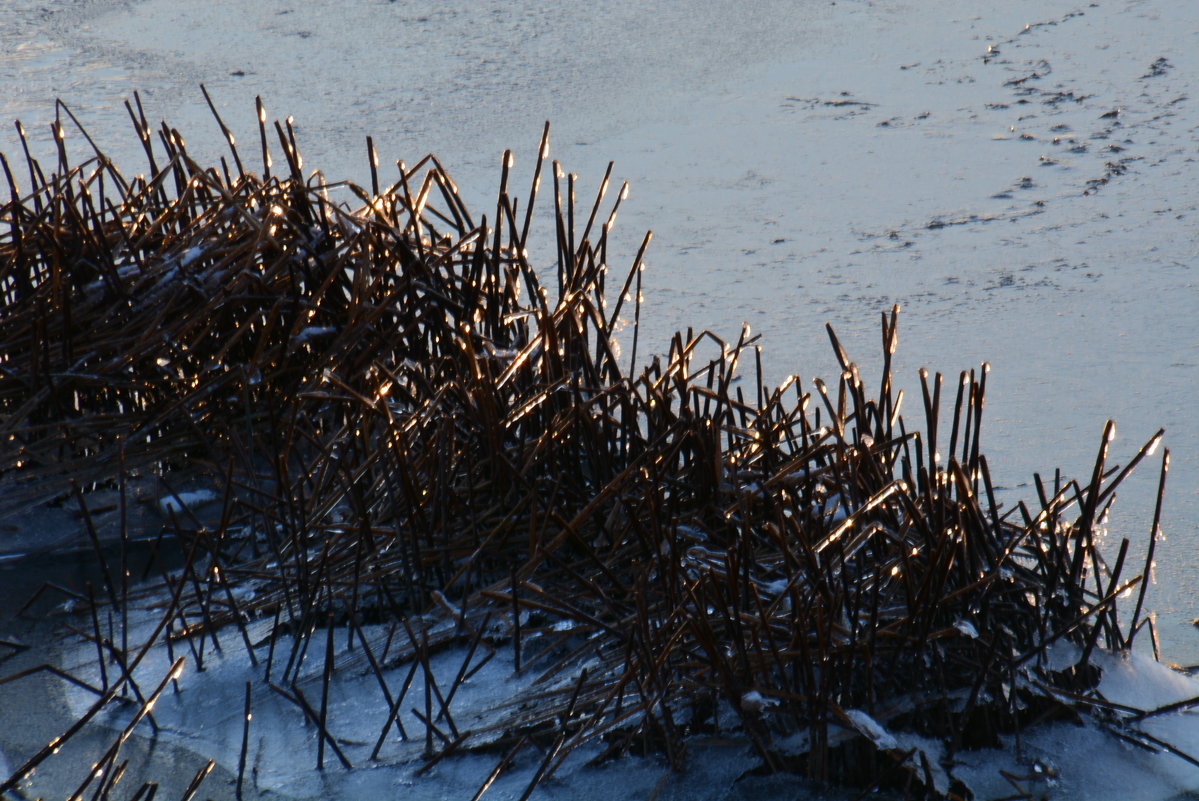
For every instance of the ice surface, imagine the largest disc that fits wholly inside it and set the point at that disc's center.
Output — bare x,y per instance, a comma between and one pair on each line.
204,714
1065,761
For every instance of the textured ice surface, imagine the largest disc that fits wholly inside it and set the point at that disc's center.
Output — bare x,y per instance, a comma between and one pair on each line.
204,715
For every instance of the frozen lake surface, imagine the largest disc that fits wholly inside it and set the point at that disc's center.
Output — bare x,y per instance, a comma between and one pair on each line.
1021,179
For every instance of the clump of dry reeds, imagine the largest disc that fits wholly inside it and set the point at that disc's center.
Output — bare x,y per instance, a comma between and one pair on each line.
393,414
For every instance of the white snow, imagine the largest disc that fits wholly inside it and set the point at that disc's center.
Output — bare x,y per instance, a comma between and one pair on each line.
312,332
185,500
191,255
966,628
754,701
872,729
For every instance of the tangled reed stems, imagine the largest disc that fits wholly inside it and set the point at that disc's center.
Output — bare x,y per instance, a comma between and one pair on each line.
381,416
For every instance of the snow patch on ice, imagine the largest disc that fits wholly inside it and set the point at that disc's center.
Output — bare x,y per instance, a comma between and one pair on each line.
871,729
185,500
754,701
1062,761
191,255
314,332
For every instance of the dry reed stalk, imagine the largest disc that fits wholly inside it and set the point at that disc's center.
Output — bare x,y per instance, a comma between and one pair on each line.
393,411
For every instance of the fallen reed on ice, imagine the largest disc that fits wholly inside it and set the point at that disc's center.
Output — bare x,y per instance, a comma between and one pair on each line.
380,419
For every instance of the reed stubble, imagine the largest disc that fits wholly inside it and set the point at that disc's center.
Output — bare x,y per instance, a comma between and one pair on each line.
399,423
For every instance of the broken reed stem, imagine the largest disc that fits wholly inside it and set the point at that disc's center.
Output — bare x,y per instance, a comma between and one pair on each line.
109,758
245,742
197,780
1154,531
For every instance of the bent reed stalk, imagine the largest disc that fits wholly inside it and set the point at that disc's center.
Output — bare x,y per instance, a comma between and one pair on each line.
395,422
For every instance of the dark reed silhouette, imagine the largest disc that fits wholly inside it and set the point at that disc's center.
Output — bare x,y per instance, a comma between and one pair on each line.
397,425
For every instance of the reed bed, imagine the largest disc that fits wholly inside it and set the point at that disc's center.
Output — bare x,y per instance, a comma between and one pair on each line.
392,421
